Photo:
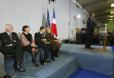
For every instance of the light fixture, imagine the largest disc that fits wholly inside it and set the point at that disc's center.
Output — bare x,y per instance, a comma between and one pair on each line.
106,24
110,19
112,12
78,16
112,5
111,16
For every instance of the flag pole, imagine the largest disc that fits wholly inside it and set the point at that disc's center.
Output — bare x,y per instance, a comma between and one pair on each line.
69,21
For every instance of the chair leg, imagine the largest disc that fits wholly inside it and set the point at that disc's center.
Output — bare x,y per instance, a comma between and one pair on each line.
26,59
5,61
23,61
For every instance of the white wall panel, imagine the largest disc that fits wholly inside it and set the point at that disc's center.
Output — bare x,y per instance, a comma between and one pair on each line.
29,12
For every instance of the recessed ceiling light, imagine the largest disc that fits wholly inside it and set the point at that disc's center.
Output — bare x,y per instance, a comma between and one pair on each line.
106,24
111,16
111,19
78,16
112,12
112,5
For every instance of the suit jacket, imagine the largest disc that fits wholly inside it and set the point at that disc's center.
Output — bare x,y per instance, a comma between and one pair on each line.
38,40
6,40
91,22
50,37
90,25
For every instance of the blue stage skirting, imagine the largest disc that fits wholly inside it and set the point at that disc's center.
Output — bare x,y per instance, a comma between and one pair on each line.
81,73
63,67
112,49
92,60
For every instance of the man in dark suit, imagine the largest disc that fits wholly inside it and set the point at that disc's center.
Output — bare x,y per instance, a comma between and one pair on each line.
90,30
3,73
41,42
54,44
10,44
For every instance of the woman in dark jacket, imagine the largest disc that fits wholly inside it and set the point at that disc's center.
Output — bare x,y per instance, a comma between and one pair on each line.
31,48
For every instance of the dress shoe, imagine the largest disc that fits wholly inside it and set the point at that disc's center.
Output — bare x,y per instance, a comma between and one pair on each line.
47,61
52,59
41,62
7,76
35,63
19,68
89,48
56,55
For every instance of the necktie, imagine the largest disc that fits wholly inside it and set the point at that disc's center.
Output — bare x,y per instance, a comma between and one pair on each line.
43,36
10,35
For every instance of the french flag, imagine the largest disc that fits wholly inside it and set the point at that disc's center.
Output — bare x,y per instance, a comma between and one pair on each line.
53,24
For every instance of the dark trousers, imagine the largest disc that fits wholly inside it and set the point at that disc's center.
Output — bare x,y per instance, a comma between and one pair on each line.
29,50
17,52
47,51
89,37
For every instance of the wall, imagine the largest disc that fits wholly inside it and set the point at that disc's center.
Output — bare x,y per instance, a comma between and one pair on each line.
29,12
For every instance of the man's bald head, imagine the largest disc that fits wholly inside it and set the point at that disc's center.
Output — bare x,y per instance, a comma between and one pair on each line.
9,28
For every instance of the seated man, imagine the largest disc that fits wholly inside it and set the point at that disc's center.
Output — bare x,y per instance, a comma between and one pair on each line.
54,43
10,44
41,42
2,71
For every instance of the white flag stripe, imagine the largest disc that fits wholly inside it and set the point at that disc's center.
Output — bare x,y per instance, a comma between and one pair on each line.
54,21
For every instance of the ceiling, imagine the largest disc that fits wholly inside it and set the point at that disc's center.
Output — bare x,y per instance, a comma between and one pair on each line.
102,8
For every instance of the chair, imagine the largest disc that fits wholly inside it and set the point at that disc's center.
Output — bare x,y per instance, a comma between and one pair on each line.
6,57
26,57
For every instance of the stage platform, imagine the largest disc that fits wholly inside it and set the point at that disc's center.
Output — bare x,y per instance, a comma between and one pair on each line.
71,58
63,67
91,59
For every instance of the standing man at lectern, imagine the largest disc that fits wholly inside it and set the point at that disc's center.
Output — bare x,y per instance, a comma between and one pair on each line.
90,30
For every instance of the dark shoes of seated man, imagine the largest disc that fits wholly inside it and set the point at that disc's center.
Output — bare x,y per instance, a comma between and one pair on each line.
47,61
53,59
56,55
19,68
89,47
42,62
7,76
35,63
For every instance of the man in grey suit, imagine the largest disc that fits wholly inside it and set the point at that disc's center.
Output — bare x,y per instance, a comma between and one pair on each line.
2,71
